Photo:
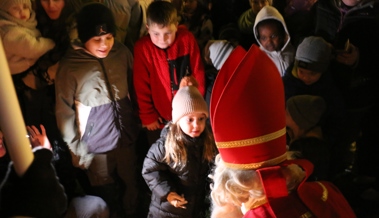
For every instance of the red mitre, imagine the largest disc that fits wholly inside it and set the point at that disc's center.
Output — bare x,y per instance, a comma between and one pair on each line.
247,111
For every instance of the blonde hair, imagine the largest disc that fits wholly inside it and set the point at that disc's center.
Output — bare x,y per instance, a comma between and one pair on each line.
176,148
234,187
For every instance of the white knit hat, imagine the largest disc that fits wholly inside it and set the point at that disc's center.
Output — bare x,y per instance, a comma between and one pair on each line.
188,100
6,4
219,51
314,53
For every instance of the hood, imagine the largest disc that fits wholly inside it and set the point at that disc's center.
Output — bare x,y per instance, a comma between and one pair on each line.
269,12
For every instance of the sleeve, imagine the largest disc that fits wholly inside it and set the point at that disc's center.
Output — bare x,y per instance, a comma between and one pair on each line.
246,22
22,44
141,80
155,171
66,117
37,193
197,64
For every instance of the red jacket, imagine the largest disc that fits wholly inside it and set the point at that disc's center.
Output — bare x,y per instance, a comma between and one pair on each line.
155,68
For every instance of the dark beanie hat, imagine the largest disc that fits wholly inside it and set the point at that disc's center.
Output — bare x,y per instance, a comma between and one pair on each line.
306,110
95,19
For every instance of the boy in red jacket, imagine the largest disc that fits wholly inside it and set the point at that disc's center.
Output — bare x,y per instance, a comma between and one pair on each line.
161,60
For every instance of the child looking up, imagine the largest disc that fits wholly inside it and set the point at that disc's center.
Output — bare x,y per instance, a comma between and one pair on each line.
22,41
176,166
161,59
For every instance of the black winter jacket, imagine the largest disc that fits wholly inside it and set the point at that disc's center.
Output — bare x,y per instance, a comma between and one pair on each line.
189,180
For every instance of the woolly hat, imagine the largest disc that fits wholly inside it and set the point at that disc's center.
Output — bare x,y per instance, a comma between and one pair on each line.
219,51
306,110
314,53
95,19
6,4
188,100
248,127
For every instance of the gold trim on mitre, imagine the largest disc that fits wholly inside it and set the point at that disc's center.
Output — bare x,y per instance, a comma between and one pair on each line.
325,193
252,141
254,166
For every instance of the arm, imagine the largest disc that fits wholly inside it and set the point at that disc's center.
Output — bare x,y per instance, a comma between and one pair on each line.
156,172
246,22
66,117
23,44
141,81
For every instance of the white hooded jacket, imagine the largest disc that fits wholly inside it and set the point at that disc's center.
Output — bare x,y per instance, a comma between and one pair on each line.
285,57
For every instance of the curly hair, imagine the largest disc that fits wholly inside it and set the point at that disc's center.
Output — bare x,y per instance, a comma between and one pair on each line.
234,187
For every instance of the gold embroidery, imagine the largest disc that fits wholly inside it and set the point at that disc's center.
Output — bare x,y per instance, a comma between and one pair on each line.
253,166
252,141
306,215
324,196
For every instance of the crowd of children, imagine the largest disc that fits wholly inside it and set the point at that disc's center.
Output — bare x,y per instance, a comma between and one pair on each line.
126,92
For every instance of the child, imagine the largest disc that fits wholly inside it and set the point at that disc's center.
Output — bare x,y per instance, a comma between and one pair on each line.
22,41
272,36
303,114
161,60
246,21
177,165
196,16
94,110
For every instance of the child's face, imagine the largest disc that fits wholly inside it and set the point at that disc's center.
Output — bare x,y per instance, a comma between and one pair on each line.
193,124
270,38
53,8
162,36
257,5
20,11
100,46
307,76
189,6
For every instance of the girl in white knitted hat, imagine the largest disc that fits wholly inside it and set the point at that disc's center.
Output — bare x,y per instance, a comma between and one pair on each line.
22,41
177,165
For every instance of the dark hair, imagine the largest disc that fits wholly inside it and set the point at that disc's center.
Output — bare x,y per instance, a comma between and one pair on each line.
276,23
162,13
58,31
200,14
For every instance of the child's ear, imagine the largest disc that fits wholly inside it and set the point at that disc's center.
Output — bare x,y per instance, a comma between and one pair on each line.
147,27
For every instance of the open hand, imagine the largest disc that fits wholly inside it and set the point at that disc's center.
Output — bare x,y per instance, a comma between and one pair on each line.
37,138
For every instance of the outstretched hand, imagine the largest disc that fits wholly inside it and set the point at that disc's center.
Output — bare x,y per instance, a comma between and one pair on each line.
37,138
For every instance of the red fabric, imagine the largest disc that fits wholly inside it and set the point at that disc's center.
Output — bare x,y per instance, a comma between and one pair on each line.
250,105
334,204
273,182
152,76
224,75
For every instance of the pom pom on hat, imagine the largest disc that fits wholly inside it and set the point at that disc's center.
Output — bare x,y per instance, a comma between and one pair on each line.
6,4
306,110
219,51
95,19
314,53
188,100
